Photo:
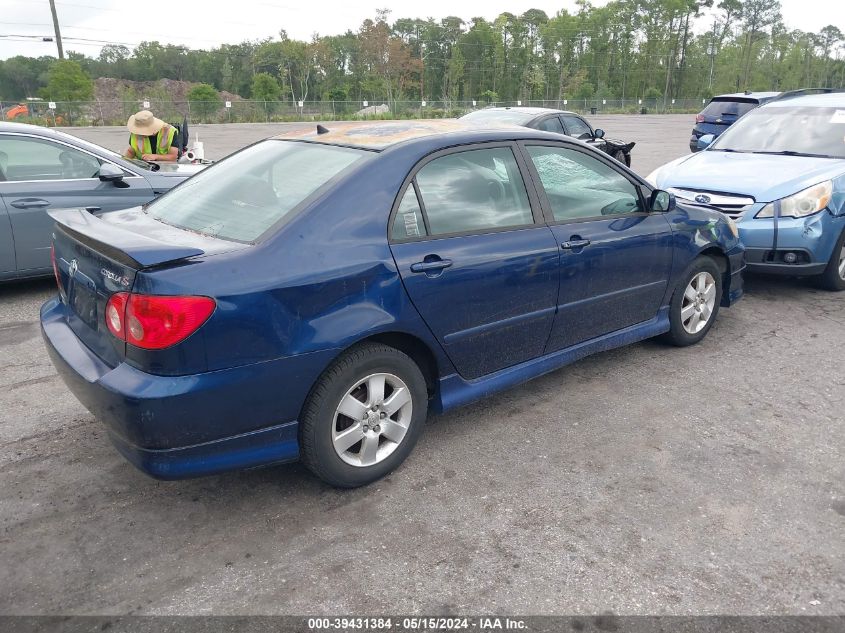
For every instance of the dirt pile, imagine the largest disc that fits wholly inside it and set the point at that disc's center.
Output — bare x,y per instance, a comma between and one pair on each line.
116,99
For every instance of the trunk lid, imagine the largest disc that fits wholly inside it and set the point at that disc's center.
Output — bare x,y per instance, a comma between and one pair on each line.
98,256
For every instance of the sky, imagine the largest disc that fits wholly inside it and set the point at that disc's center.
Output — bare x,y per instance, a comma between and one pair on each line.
87,24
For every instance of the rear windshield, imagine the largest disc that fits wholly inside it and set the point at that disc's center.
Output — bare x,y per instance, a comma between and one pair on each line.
242,197
510,117
718,109
793,130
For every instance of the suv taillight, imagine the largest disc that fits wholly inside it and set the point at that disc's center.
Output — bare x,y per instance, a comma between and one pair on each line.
155,321
699,118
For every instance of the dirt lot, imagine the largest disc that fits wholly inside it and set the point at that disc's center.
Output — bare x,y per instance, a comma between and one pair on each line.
705,480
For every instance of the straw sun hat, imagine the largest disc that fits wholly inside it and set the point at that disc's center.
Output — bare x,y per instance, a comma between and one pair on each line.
144,123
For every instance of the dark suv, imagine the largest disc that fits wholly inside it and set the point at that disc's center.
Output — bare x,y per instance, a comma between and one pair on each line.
723,111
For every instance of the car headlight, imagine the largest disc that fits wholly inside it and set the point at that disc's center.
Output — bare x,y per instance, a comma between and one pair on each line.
801,204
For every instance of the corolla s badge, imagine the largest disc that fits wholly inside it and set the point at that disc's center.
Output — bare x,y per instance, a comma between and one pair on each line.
702,199
123,281
74,266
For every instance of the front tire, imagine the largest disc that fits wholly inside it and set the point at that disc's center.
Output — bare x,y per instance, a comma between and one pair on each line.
363,416
695,303
833,277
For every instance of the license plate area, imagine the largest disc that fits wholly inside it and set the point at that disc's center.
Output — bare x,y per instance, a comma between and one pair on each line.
83,300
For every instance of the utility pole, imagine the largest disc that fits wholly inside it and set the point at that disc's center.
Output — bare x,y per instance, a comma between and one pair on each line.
711,50
56,27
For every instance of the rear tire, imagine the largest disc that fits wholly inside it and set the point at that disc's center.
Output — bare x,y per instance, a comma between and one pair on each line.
833,277
363,416
695,303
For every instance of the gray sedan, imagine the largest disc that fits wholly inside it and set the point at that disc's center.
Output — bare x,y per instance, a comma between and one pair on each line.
43,169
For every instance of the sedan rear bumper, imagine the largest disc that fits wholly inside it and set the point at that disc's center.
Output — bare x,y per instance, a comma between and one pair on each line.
172,427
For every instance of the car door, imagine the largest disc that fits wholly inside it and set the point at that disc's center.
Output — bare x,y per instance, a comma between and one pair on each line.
478,266
576,127
616,258
7,242
42,174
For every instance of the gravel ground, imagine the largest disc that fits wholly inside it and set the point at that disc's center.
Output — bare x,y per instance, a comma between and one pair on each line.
646,480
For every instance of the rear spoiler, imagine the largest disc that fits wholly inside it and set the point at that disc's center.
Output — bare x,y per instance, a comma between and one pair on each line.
117,243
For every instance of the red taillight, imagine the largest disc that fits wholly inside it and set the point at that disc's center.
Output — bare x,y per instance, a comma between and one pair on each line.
155,321
116,314
699,118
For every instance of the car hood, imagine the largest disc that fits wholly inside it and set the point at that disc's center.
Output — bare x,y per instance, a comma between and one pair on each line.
181,170
761,176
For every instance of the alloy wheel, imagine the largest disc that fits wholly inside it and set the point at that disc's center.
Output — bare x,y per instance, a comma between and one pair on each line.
699,302
842,263
372,419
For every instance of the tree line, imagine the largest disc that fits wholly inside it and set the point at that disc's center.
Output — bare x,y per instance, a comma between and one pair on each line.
627,49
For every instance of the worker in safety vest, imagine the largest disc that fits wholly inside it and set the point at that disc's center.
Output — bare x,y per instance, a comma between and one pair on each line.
151,139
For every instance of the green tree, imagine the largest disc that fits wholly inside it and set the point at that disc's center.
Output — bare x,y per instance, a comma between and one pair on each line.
68,82
265,87
204,100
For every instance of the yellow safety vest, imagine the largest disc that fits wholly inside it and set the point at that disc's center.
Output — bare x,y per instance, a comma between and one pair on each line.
141,144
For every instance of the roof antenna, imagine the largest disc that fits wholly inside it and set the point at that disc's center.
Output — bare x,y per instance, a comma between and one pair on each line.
321,129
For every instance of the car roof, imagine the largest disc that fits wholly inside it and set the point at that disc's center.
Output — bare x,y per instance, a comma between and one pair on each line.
822,100
380,135
536,111
27,128
747,96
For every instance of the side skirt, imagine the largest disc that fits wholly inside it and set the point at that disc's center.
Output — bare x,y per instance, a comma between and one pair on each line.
454,391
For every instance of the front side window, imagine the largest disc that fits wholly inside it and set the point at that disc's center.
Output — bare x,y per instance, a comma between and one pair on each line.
26,158
243,196
579,186
577,127
476,190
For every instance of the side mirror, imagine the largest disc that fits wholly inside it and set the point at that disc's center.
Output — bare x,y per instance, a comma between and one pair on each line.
705,141
598,133
110,173
661,201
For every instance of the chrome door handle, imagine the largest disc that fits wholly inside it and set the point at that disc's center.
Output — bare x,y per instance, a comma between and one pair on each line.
30,203
575,244
427,267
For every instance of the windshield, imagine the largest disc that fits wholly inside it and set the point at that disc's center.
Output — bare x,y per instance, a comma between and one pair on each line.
243,196
719,108
791,130
498,116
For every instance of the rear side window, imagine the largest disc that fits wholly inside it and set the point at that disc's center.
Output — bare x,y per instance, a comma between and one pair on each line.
552,124
409,221
718,109
472,191
242,197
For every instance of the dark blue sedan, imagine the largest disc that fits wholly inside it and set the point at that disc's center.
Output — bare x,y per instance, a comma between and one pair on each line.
315,295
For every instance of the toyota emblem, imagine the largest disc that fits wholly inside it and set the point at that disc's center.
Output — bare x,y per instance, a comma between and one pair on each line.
702,199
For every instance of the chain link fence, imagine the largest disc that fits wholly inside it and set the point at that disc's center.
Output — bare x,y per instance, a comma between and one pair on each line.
98,113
